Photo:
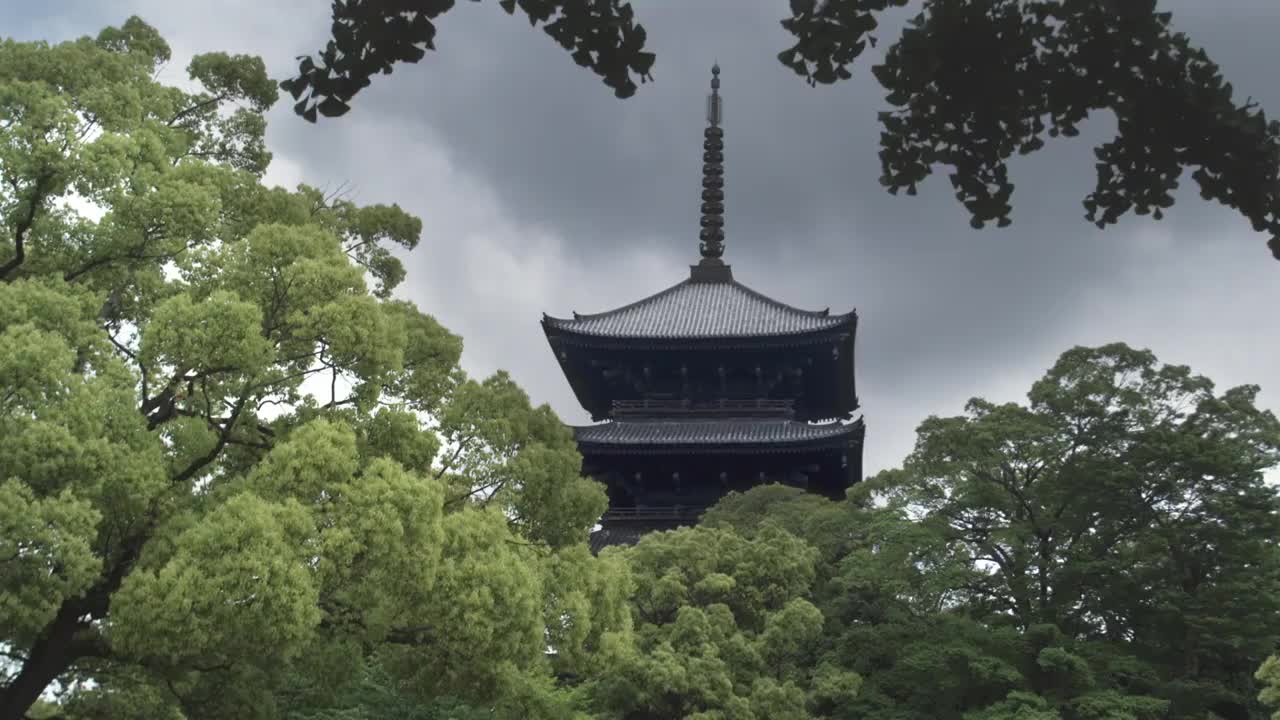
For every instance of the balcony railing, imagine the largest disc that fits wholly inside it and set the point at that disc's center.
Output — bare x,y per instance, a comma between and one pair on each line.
752,407
642,513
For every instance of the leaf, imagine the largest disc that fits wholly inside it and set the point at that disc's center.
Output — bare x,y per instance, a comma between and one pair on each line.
332,107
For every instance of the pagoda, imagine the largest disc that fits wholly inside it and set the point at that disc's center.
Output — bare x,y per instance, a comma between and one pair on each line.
709,387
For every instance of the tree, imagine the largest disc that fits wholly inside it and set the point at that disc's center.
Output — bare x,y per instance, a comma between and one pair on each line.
889,592
1122,513
375,696
237,476
724,629
971,83
1269,676
1108,550
897,616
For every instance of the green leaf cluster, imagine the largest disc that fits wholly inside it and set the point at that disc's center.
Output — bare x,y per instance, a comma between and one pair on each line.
723,629
1107,550
971,83
238,478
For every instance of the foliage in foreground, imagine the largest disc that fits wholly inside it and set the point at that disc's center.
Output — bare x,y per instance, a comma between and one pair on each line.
182,524
1108,550
971,84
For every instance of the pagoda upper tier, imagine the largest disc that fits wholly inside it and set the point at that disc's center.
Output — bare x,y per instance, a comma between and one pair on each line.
668,350
694,310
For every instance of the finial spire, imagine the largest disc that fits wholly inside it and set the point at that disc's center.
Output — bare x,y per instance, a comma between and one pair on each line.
712,234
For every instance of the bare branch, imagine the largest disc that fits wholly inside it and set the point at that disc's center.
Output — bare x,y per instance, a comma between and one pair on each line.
196,108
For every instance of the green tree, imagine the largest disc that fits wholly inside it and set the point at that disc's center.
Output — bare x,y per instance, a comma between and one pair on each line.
1269,676
888,589
724,628
374,696
1121,519
186,530
971,84
1108,550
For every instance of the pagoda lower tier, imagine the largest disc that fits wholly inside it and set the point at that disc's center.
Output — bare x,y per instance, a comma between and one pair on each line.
663,473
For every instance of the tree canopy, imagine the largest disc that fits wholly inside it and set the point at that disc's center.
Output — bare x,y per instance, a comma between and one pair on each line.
970,83
1108,550
1124,508
237,475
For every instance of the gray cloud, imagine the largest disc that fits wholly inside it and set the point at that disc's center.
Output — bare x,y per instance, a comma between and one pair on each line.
542,192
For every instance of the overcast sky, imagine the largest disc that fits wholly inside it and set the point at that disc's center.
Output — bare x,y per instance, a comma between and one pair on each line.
541,192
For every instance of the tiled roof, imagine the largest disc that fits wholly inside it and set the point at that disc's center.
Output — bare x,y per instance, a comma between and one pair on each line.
708,432
693,309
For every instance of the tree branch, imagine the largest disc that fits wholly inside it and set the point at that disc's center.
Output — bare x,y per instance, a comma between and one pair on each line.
447,466
412,635
199,463
196,108
149,235
475,491
23,229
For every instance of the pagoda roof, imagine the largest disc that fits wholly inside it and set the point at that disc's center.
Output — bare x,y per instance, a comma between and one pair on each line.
692,310
704,434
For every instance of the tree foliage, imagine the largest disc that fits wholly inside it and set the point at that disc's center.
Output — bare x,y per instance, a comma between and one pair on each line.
971,83
1124,506
1269,676
724,629
238,477
1108,550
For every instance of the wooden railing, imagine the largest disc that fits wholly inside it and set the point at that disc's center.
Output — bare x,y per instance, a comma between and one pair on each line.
720,406
673,513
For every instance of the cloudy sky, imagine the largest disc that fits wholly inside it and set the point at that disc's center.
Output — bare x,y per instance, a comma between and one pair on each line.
540,191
